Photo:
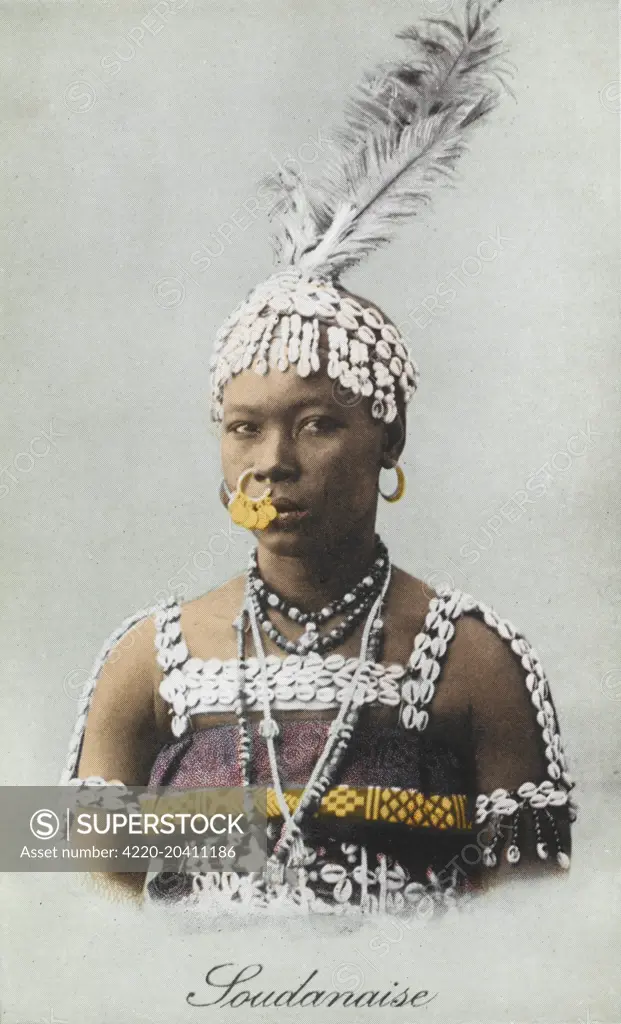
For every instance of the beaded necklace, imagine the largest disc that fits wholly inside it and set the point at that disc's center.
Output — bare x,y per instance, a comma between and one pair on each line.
354,604
289,850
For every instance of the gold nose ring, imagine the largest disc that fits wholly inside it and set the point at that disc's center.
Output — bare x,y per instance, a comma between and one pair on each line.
252,513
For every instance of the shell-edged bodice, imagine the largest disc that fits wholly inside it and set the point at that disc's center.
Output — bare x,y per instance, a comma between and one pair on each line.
404,804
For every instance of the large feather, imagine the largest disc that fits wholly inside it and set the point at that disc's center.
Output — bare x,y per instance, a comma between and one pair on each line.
404,131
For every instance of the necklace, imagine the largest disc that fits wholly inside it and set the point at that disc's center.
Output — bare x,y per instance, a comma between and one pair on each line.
360,592
290,847
354,604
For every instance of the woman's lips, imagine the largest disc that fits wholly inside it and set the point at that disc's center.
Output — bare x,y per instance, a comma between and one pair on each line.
288,512
292,515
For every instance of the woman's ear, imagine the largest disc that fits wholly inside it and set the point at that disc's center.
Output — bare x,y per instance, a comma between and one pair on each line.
224,494
394,441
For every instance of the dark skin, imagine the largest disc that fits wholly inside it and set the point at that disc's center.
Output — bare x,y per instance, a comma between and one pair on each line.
326,457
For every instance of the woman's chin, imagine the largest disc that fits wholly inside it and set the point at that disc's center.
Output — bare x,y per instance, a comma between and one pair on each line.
290,538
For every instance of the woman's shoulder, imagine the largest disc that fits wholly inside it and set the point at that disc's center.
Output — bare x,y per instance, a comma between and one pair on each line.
220,604
483,655
477,628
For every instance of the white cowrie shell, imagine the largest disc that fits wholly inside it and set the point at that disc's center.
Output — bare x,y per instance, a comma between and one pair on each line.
531,682
557,798
395,877
304,305
415,660
427,691
372,317
333,873
389,695
346,320
366,336
284,692
538,801
349,309
438,647
179,724
334,662
409,716
430,671
410,692
391,335
350,303
194,682
292,661
178,704
446,630
196,666
180,653
506,630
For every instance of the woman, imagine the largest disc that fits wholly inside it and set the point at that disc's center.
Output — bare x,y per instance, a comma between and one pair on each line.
408,740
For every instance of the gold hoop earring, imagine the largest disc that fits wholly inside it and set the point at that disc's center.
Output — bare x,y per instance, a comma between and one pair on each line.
399,490
252,513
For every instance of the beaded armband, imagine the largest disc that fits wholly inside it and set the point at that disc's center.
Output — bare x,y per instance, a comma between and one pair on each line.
507,812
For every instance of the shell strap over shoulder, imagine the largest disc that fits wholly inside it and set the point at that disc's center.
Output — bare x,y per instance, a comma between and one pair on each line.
75,744
544,804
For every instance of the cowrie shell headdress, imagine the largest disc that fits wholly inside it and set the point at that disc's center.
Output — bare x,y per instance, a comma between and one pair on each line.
404,131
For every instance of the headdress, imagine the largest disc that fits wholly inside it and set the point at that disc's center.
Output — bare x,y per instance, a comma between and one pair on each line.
404,130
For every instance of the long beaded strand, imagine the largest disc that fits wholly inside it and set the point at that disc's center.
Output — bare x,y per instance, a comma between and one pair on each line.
245,738
289,846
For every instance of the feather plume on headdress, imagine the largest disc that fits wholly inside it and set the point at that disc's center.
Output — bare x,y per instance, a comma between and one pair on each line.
404,131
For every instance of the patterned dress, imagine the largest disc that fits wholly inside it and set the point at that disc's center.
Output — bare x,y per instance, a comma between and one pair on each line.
402,829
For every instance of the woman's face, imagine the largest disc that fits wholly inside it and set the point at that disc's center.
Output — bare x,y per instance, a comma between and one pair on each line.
321,455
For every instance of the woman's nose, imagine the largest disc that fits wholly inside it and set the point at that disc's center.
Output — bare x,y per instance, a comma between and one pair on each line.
276,458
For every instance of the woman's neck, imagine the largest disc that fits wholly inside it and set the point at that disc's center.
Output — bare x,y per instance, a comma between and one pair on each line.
312,580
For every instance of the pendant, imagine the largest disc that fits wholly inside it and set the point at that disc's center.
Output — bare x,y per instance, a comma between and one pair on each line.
274,873
296,852
309,638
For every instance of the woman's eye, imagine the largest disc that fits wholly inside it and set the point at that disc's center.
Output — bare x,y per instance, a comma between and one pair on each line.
320,425
242,429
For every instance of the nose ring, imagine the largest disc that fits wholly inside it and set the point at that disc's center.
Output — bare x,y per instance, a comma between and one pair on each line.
252,513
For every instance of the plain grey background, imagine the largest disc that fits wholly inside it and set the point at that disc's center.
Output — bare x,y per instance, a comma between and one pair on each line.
123,157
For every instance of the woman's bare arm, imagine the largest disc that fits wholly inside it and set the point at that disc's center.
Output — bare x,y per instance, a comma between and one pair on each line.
121,738
506,737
